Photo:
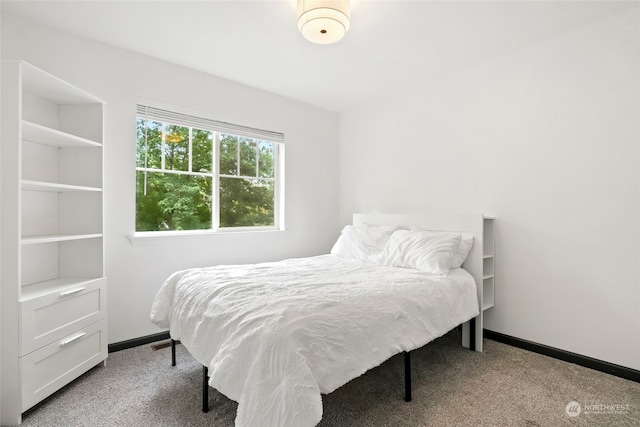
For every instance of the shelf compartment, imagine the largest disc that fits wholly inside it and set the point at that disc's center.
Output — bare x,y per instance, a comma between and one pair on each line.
60,210
488,237
48,136
487,266
59,264
488,291
71,166
53,88
29,185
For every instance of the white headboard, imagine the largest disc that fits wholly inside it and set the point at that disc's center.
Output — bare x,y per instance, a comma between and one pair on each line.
473,224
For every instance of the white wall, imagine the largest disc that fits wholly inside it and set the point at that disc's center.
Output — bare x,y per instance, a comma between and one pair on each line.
547,139
121,77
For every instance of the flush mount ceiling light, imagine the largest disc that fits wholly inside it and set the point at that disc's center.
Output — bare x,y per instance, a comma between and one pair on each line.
323,21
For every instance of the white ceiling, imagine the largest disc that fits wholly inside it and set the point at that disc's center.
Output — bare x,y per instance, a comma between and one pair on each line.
391,45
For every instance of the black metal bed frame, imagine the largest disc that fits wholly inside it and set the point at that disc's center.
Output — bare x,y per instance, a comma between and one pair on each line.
407,368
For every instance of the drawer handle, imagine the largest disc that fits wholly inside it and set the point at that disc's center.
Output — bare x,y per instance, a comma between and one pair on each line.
75,291
70,340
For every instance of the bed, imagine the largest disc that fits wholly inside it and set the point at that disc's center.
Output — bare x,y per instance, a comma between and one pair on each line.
276,336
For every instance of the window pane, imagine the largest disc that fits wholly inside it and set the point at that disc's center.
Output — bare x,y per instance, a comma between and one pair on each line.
202,147
176,148
172,202
228,155
265,167
245,202
149,143
248,157
140,142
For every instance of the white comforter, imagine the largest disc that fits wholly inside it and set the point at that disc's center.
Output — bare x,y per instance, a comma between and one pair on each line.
277,335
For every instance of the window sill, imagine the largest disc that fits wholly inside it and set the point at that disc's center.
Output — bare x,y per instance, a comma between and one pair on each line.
154,237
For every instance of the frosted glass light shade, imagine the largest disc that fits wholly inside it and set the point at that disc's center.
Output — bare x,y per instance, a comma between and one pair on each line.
322,21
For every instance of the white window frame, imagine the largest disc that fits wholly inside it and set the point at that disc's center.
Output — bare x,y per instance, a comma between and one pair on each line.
150,112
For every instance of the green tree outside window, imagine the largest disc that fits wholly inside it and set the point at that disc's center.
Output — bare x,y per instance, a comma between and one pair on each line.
176,176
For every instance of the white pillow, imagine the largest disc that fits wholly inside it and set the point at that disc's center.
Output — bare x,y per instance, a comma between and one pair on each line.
427,251
365,242
462,251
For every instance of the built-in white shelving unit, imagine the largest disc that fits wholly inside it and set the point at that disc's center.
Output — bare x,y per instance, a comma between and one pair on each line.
488,263
53,289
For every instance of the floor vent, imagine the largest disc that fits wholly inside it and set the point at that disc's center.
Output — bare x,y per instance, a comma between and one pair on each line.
161,345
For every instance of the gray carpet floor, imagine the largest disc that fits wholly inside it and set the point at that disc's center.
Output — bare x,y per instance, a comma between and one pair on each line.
452,386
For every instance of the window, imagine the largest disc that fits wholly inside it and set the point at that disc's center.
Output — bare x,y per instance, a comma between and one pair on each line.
199,174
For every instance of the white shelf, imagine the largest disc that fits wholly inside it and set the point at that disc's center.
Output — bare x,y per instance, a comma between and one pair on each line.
30,240
55,187
40,289
45,135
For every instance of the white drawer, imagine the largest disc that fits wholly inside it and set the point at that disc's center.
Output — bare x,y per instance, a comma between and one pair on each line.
46,370
56,315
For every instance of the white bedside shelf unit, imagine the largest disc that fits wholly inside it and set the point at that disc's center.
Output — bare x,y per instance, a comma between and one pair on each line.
488,263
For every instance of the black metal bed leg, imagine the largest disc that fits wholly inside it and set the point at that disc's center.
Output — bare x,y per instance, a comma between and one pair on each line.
407,376
472,334
173,352
205,389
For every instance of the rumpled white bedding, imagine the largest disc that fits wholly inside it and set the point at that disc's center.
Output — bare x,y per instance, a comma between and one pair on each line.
277,335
